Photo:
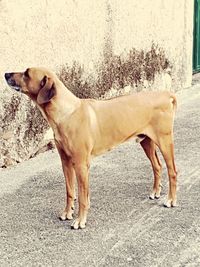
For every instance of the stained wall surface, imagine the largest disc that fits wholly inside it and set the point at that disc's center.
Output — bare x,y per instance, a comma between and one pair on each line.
153,36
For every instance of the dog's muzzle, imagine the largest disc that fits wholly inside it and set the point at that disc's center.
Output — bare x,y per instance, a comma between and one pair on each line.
11,82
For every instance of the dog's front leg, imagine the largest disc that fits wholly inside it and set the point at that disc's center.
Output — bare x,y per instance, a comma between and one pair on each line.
69,174
82,174
68,170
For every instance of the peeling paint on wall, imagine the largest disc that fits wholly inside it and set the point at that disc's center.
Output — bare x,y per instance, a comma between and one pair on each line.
110,45
115,72
21,132
112,73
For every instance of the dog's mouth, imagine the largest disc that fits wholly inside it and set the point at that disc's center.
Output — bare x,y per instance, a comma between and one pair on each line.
11,82
15,88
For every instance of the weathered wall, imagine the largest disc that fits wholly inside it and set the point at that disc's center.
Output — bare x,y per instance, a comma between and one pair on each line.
167,23
110,43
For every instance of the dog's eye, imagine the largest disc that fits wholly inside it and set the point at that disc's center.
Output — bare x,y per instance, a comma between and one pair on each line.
26,74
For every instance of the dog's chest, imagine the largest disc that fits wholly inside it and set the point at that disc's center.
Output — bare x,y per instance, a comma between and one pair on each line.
62,140
57,133
57,136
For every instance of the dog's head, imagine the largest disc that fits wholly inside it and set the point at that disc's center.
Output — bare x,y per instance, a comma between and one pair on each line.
37,83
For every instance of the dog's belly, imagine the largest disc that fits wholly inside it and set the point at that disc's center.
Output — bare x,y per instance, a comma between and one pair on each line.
106,144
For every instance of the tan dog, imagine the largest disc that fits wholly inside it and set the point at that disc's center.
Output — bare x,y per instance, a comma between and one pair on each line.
86,127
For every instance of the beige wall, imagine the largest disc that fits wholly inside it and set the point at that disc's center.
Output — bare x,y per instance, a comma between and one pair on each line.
167,23
51,33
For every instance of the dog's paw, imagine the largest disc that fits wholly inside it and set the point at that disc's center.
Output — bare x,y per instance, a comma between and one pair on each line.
66,215
156,193
78,224
154,196
170,203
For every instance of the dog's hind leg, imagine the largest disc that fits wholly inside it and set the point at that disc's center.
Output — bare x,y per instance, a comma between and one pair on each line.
166,145
150,149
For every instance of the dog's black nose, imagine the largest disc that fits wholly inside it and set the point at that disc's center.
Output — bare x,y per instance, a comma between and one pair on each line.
8,75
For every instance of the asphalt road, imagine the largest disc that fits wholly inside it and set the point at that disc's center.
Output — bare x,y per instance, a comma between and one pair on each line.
124,227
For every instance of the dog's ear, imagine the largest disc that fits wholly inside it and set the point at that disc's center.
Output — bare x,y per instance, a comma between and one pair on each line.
47,90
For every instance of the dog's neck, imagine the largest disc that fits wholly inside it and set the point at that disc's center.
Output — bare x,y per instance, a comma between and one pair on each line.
61,106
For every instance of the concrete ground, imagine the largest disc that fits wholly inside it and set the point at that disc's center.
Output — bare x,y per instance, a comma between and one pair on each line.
124,227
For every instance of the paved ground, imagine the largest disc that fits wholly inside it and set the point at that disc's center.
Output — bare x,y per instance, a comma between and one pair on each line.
124,227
